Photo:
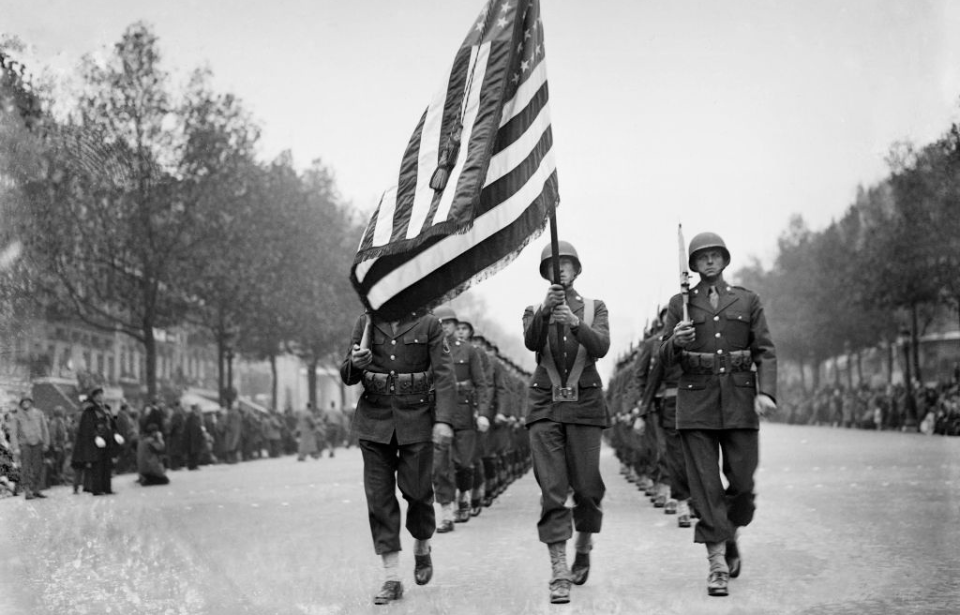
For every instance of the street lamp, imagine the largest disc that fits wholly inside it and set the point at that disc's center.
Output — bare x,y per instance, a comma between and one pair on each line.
910,418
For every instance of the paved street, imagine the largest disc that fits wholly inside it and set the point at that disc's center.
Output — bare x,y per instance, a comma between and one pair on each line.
847,522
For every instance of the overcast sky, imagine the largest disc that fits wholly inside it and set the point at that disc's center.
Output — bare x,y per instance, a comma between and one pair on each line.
726,116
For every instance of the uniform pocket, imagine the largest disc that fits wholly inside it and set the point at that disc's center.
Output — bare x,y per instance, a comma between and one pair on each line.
743,379
693,382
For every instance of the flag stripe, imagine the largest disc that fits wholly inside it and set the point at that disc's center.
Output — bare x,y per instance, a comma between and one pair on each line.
528,89
504,161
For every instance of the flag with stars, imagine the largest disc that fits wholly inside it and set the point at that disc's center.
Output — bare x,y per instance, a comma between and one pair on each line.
477,181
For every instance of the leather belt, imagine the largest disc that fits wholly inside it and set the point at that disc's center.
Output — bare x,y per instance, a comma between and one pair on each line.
397,384
708,363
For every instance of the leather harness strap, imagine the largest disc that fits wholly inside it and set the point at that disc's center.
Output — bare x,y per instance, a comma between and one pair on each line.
571,392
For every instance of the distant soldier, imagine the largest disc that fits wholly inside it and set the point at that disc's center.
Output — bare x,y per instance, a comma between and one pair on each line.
729,381
454,462
409,395
484,448
566,416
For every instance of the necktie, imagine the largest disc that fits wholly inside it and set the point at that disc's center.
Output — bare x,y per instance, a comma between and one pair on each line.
714,297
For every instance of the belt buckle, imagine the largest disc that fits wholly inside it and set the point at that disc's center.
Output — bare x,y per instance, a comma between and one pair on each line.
567,393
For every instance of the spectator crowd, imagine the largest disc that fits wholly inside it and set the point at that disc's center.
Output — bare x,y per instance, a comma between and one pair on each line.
40,448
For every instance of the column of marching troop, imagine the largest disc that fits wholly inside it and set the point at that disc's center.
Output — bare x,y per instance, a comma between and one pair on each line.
642,397
489,449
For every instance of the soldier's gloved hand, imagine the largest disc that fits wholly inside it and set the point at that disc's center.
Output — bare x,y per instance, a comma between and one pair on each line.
500,418
555,296
100,442
118,439
639,426
483,424
360,358
764,405
565,316
442,434
683,334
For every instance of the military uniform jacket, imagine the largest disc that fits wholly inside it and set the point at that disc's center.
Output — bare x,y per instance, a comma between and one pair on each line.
729,361
417,346
591,408
472,385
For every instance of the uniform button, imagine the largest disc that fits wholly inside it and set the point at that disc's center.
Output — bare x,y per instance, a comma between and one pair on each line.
415,340
720,351
392,388
393,357
717,334
394,342
716,318
689,386
564,338
723,369
393,373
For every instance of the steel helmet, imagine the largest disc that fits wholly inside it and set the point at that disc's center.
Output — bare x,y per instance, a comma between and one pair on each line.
467,323
445,313
705,241
565,248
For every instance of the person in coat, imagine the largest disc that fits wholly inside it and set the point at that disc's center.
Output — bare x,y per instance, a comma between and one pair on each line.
233,429
150,449
407,405
566,416
307,428
728,381
194,439
30,440
96,444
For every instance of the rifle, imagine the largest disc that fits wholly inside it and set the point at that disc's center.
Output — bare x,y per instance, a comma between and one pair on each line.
684,274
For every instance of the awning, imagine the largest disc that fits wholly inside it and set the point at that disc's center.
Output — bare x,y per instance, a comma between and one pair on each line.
189,399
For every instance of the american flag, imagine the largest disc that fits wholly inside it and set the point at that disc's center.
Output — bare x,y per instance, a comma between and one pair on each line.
424,246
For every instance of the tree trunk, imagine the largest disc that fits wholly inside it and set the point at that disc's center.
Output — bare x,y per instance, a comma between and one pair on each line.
817,364
915,334
836,370
890,346
312,381
859,368
273,382
221,358
150,359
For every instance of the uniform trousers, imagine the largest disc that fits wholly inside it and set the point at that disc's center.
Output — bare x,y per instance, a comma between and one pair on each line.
567,456
386,467
673,450
453,465
721,511
31,462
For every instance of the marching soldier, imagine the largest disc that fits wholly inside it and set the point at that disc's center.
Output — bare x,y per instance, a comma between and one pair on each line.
660,399
453,461
465,333
566,416
728,381
406,364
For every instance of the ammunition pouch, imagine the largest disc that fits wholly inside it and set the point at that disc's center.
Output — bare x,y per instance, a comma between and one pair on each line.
416,383
466,393
705,363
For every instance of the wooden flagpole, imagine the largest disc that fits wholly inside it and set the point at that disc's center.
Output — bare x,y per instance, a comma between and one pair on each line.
555,262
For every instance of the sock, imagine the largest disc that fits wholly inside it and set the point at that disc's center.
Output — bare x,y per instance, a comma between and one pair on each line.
584,542
391,565
446,512
421,547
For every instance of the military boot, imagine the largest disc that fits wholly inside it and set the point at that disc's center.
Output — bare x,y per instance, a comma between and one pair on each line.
581,563
683,513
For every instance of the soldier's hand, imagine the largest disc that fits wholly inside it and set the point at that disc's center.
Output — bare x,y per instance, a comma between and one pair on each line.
442,434
360,358
500,418
764,405
639,426
555,296
100,442
565,316
118,439
683,334
483,424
